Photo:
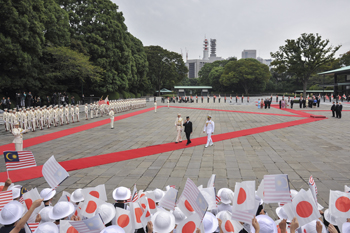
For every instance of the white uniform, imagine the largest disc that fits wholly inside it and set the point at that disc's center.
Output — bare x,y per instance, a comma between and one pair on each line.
155,106
72,113
91,111
209,130
179,124
66,113
86,110
18,141
33,121
111,116
61,114
77,113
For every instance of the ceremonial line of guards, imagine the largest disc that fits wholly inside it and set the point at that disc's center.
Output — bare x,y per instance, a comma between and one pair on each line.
34,118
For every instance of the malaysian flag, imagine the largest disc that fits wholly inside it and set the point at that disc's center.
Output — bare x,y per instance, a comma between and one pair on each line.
242,216
91,225
5,197
169,199
313,188
134,195
19,159
276,189
195,198
54,173
218,199
32,226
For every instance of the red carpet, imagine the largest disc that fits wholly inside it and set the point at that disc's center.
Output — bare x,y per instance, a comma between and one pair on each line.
221,110
319,110
76,164
65,132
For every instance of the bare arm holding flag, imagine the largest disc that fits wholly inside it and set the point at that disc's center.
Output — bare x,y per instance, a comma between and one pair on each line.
20,224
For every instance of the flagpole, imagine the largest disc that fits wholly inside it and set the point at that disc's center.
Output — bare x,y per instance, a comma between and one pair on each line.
8,175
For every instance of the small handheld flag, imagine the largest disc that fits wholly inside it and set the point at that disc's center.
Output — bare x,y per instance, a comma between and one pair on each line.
54,173
19,159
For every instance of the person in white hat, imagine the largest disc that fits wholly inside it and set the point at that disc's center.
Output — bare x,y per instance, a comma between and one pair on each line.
107,212
121,195
266,224
178,125
86,110
209,128
47,227
113,229
226,196
92,111
163,222
111,117
61,211
47,194
18,133
11,216
210,222
77,112
43,215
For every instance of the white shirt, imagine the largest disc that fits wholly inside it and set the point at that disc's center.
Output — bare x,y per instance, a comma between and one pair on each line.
209,126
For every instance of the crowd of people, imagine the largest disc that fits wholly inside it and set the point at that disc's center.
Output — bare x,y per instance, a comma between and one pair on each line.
159,217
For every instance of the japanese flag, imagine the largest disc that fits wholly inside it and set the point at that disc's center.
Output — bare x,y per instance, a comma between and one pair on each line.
29,197
98,192
143,203
169,199
346,189
244,198
65,196
65,227
151,202
228,225
145,218
78,210
211,181
185,206
136,213
190,224
123,219
90,206
339,204
303,206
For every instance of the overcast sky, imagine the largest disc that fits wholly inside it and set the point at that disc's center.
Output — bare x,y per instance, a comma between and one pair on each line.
263,25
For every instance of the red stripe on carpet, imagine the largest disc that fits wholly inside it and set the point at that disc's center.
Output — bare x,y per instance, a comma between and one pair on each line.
221,110
303,114
76,164
51,136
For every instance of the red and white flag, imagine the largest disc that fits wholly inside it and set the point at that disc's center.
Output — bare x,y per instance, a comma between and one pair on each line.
189,224
229,225
29,197
5,197
195,198
169,199
145,218
98,192
217,199
276,189
244,198
134,195
211,181
151,202
313,188
15,160
339,204
243,216
185,206
136,213
65,197
91,225
31,227
303,207
123,219
66,227
54,173
90,206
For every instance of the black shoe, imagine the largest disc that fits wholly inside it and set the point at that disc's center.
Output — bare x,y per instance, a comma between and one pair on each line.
187,144
175,142
180,141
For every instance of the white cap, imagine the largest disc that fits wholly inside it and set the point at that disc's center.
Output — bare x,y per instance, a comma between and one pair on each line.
11,213
267,225
113,229
226,195
179,215
121,193
61,210
107,212
16,193
158,195
77,196
210,222
47,227
163,222
47,194
44,214
346,227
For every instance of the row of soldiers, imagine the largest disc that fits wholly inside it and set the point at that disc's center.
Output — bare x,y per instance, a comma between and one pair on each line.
34,118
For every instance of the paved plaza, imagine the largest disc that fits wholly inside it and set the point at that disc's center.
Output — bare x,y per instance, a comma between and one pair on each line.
319,148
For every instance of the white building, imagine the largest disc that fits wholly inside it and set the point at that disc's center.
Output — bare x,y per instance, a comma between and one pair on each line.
251,53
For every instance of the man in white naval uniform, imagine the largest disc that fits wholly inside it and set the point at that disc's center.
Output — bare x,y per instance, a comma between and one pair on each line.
17,132
209,129
111,116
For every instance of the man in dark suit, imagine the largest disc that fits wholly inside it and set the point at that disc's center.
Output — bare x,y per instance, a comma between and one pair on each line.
300,102
336,110
188,129
333,109
339,109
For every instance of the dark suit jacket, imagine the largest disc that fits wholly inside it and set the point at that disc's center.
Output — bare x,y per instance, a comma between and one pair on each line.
188,127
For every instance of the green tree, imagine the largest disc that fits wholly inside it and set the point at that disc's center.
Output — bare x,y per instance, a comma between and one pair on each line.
304,56
214,78
248,73
345,59
166,68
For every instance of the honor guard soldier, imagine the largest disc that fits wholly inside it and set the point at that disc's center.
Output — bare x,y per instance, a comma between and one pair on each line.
168,101
86,110
61,114
72,112
4,118
209,130
66,114
91,111
155,106
17,132
111,116
178,125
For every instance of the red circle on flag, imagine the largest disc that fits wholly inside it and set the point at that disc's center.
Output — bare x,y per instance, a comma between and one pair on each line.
138,214
304,209
151,204
95,194
72,230
343,204
188,206
91,207
142,195
123,220
229,227
189,227
148,214
28,202
143,205
242,196
68,198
